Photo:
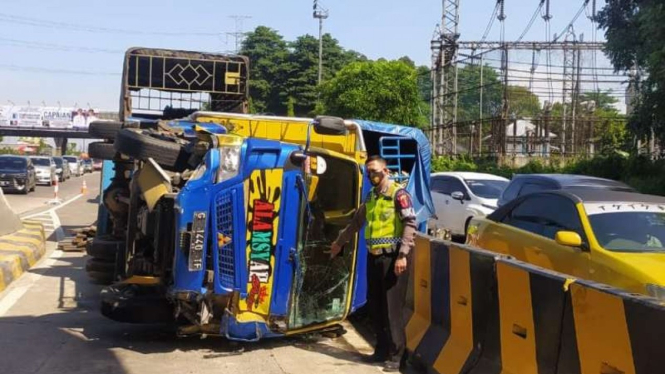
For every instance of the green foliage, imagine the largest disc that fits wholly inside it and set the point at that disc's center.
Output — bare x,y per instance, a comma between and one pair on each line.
375,90
641,173
635,33
268,55
290,109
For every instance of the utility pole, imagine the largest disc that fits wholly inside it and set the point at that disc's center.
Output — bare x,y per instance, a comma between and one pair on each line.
238,34
320,13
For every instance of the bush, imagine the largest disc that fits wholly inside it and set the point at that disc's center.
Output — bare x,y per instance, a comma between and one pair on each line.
639,172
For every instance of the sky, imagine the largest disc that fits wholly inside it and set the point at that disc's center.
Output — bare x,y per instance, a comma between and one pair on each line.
35,67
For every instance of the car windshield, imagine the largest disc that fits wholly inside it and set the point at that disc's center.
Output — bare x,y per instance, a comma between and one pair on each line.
87,162
487,189
58,161
41,161
70,159
629,231
12,163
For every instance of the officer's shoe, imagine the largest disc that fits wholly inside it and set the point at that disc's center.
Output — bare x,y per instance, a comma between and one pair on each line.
391,366
374,358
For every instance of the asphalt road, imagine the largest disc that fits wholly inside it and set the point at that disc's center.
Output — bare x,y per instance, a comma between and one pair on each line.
49,319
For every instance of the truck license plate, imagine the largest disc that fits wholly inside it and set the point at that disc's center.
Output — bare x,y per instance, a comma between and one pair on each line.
196,243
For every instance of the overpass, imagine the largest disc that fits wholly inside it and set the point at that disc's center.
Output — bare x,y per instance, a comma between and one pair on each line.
59,135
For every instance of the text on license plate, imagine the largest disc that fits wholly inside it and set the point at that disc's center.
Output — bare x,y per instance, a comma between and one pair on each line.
197,240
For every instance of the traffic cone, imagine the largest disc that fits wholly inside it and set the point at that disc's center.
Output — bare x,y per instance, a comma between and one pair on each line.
84,188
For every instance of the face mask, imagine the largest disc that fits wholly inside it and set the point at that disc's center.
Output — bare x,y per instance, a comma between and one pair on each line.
376,178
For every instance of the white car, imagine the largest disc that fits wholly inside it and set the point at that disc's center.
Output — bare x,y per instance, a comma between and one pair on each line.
459,196
75,165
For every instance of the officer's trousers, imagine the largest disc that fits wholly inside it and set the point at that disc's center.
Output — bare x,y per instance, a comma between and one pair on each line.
386,297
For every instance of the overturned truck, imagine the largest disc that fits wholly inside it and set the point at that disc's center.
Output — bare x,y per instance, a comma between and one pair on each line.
222,221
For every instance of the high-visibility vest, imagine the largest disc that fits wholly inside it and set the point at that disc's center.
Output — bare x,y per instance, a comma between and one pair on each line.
383,225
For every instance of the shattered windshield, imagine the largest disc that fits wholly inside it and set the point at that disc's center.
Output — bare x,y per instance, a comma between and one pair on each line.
328,202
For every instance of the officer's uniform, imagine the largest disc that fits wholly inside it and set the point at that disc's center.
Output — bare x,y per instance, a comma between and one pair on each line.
390,230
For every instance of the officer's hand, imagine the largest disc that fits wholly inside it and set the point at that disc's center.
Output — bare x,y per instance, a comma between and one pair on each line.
335,249
400,266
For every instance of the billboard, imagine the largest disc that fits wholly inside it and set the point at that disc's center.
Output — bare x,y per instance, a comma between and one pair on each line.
49,117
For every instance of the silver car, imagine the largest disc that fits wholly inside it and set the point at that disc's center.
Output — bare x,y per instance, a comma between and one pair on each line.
44,169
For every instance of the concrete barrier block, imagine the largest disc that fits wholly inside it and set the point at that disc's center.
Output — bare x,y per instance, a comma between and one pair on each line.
20,250
10,221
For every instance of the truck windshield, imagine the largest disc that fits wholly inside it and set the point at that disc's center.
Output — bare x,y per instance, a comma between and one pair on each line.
321,285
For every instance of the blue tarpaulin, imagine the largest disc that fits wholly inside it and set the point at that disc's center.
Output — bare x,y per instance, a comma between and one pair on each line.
419,179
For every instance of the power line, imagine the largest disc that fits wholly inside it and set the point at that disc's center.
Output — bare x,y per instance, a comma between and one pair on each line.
35,69
57,47
533,19
27,21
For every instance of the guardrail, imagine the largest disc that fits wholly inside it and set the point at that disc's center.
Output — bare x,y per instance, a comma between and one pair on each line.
472,311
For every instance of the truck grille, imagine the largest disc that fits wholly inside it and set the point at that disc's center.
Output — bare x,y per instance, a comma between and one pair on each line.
225,228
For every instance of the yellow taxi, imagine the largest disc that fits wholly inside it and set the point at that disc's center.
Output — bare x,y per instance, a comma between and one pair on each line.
605,236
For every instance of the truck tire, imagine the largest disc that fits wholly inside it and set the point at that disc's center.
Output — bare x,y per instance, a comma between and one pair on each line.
104,248
100,271
142,146
105,129
101,150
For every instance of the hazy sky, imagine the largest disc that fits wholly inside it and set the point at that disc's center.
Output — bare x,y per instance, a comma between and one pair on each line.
35,67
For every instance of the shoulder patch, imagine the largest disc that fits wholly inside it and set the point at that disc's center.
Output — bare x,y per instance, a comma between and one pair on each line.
403,199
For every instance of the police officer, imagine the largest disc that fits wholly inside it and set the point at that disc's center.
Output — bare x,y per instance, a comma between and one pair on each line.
389,231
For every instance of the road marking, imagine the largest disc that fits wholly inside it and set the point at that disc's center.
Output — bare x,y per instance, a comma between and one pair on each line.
56,207
18,288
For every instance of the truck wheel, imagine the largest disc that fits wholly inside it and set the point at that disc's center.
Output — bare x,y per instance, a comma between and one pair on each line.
142,145
105,129
100,271
104,248
101,150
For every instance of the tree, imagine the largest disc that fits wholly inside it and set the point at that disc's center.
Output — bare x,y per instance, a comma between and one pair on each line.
384,91
522,102
635,33
304,69
268,55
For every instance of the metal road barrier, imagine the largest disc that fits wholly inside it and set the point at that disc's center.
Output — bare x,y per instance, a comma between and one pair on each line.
472,311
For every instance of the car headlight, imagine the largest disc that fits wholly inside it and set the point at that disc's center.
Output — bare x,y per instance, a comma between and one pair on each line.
656,291
229,162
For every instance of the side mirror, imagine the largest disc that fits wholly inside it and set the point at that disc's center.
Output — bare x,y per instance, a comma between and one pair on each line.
457,195
325,125
568,239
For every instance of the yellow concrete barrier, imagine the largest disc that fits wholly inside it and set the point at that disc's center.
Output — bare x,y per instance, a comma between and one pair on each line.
20,250
472,311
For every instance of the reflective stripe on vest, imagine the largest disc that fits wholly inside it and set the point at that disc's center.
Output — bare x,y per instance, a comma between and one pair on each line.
384,227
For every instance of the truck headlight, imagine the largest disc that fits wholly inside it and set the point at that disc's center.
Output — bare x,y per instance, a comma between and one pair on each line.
656,291
229,162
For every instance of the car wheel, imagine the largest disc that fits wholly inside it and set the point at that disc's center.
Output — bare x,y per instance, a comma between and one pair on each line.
25,189
142,145
101,150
